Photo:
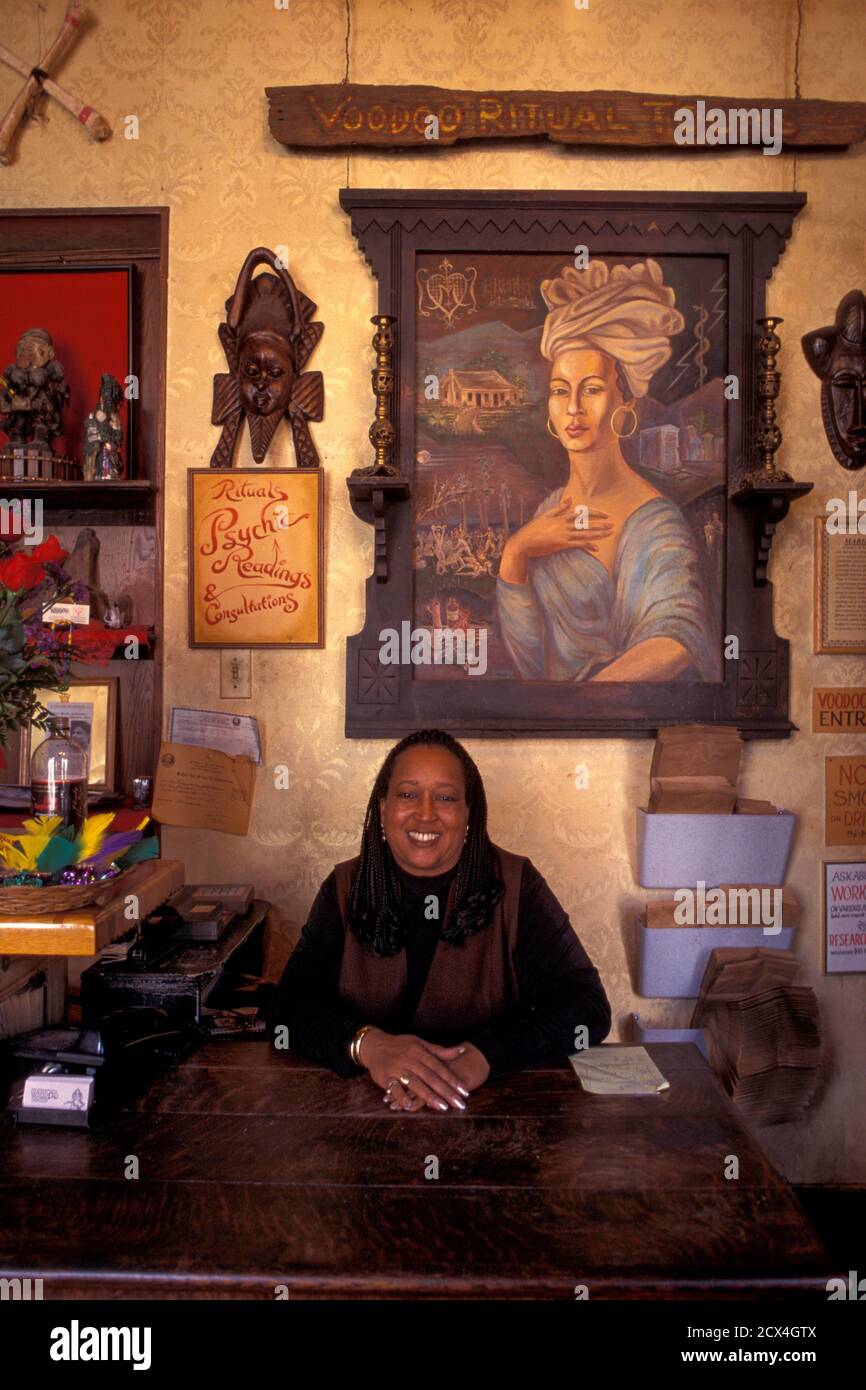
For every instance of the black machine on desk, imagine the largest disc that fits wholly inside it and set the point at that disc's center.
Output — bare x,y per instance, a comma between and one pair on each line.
184,977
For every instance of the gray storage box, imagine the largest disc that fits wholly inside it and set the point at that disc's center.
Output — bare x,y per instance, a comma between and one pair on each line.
673,959
672,1035
678,851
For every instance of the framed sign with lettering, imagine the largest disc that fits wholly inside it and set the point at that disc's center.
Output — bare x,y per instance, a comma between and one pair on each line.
839,590
255,557
844,917
845,800
576,403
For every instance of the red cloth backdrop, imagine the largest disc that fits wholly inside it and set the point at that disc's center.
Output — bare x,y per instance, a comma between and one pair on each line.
87,314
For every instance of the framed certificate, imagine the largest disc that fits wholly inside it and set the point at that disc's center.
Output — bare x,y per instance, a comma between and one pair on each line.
844,895
840,591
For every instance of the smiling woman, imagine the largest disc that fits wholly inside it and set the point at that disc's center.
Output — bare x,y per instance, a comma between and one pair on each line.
434,959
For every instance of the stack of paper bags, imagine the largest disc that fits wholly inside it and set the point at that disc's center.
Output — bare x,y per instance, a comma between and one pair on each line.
694,771
762,1030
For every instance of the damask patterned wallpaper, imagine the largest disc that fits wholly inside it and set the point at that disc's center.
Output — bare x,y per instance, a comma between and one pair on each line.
194,73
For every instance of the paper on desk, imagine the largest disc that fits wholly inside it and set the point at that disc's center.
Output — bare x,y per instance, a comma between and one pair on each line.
203,788
618,1071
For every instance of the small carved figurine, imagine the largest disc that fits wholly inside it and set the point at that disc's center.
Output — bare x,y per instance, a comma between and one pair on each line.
837,355
118,611
33,393
103,434
83,568
267,339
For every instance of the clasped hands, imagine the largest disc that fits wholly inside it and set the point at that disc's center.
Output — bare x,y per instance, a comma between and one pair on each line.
440,1078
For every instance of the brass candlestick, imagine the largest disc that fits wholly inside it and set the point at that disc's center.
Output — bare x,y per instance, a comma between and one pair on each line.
768,436
382,381
767,492
374,488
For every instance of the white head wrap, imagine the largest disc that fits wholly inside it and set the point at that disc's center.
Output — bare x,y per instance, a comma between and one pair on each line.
626,311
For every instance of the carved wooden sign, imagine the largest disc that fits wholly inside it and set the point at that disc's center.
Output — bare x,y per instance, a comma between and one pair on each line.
348,113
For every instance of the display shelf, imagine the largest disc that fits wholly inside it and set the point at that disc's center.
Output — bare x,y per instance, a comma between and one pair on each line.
135,238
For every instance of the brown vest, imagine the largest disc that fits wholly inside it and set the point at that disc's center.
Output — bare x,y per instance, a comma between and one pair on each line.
468,985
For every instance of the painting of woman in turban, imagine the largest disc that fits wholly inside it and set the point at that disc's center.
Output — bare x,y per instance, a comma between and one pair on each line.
604,582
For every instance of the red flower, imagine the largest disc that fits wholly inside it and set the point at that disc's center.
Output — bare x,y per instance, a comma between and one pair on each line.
20,571
50,552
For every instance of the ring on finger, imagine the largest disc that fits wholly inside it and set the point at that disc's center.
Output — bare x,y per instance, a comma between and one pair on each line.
405,1079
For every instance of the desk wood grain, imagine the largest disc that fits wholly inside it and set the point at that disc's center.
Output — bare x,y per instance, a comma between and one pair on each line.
257,1169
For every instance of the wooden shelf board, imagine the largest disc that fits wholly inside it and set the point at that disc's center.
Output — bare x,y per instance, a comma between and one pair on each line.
86,930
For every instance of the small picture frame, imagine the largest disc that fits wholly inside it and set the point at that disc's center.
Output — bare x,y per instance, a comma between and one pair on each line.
90,703
839,592
843,884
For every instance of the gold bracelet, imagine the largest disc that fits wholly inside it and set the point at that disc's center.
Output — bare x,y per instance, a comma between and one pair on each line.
355,1044
354,1047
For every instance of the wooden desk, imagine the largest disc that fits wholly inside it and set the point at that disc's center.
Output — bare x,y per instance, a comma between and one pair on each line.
258,1169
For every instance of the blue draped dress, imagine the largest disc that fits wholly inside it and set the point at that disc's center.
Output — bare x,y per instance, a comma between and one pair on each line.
572,617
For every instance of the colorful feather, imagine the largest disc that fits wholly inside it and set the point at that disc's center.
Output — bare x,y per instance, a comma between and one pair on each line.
91,835
145,849
114,845
57,854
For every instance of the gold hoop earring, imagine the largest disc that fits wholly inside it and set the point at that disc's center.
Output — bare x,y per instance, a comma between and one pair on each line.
625,434
551,431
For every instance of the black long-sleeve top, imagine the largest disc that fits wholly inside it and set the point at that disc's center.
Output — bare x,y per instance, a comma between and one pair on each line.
559,987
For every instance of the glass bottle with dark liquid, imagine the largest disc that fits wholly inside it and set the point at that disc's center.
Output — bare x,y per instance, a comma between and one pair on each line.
58,776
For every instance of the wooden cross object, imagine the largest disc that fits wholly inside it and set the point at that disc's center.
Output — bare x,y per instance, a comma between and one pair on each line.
38,82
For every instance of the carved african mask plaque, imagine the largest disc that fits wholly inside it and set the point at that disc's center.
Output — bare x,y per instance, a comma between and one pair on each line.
837,355
267,338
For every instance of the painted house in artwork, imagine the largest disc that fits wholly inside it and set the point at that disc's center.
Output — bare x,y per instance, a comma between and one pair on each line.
487,389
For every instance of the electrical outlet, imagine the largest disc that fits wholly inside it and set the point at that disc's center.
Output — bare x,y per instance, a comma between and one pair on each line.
236,675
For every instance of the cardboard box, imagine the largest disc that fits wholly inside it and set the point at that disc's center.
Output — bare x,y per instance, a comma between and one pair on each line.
672,960
678,851
32,993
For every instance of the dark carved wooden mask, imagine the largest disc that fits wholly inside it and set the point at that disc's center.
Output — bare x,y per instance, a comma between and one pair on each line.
267,338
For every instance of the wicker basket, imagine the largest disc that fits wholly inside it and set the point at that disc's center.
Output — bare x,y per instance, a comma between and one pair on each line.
60,897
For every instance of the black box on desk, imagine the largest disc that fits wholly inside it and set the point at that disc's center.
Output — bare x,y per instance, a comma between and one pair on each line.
179,981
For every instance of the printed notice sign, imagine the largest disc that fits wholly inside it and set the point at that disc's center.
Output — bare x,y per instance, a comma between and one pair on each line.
845,919
845,781
839,709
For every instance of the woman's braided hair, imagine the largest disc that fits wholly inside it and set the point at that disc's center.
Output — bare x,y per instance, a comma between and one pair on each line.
374,909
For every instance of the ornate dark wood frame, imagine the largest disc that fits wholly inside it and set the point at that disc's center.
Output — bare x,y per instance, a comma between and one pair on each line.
750,230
